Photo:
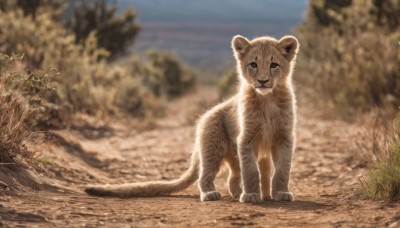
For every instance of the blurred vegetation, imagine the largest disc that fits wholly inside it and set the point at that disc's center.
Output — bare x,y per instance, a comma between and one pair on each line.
62,71
48,45
115,33
227,85
21,105
383,179
350,54
162,73
13,132
350,62
31,7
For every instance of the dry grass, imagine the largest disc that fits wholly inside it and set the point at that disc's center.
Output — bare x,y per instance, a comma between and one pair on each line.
383,177
21,105
14,113
370,143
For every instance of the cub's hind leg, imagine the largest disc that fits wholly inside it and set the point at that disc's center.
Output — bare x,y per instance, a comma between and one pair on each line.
212,143
234,179
210,163
266,168
212,151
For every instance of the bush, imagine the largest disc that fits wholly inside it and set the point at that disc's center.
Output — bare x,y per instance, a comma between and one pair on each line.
350,55
161,73
383,179
129,96
114,33
31,7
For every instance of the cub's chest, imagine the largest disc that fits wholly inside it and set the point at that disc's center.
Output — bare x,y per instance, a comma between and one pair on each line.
269,117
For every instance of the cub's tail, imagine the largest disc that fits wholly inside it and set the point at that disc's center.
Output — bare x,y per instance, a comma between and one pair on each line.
151,188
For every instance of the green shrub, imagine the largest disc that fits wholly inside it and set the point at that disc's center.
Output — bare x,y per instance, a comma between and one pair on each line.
383,179
137,101
176,78
161,73
115,33
350,54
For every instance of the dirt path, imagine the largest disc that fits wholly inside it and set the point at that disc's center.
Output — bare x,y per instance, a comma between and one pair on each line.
322,180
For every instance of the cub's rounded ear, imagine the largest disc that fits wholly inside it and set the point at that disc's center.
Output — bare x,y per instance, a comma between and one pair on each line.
289,46
240,44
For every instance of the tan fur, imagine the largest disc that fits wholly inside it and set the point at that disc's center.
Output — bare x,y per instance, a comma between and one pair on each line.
253,132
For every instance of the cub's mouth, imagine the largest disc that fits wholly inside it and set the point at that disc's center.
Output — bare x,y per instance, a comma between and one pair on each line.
264,90
263,87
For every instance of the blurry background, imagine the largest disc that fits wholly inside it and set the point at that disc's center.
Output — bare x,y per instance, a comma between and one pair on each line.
199,32
64,59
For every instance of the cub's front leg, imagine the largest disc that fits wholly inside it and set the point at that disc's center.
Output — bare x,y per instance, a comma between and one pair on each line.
249,170
282,152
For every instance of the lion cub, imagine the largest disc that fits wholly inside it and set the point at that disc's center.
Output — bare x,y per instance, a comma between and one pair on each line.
253,132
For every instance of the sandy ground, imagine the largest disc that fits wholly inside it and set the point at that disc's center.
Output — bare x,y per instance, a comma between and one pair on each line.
323,179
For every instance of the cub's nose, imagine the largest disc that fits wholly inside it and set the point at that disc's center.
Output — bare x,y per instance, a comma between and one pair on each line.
262,82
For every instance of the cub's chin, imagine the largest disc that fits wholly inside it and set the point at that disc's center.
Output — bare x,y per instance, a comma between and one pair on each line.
264,91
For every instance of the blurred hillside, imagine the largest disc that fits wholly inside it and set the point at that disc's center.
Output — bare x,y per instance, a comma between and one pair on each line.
200,31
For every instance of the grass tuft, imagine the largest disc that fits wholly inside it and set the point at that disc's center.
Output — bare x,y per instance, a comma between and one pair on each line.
12,124
383,178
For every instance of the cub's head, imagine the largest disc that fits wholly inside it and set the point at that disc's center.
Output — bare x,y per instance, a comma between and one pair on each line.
265,62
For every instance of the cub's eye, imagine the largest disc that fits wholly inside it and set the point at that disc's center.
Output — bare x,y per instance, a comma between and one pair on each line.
253,65
274,65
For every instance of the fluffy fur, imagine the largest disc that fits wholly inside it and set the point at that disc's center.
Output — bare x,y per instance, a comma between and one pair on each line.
253,132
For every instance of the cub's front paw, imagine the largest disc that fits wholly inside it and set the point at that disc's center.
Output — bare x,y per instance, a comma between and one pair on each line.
210,196
250,198
284,196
